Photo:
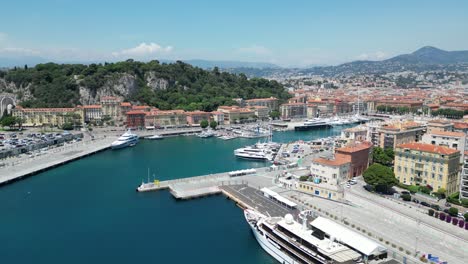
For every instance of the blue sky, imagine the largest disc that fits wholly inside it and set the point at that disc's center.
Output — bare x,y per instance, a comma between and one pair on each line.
283,32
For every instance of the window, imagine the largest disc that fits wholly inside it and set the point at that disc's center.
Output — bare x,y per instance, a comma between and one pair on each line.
399,168
440,177
433,175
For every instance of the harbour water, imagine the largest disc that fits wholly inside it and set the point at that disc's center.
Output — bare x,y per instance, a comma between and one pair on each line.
88,211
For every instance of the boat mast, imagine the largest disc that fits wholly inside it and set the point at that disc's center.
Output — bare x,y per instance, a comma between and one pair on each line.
148,175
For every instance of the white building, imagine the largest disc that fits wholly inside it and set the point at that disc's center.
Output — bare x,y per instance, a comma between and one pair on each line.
455,140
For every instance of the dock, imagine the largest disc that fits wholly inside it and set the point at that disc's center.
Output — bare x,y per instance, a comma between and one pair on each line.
16,170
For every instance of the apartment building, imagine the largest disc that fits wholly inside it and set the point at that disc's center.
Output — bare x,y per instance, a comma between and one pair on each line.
455,140
427,165
56,117
327,175
271,103
391,135
293,110
111,107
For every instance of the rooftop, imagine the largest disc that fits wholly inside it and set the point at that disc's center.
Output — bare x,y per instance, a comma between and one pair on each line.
355,147
338,160
448,133
428,148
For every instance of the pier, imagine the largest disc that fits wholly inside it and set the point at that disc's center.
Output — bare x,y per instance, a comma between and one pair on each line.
14,170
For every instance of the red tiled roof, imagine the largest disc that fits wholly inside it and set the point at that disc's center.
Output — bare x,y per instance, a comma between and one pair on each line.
355,147
337,161
91,106
428,148
136,112
449,133
125,104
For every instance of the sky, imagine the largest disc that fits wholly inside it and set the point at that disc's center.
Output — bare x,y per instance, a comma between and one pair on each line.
286,33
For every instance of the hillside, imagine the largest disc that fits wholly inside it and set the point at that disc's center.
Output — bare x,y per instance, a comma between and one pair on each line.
166,86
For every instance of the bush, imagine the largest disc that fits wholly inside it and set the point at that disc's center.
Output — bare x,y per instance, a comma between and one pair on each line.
466,225
454,221
400,248
303,178
442,216
408,252
453,211
448,219
461,223
466,216
431,212
425,189
406,197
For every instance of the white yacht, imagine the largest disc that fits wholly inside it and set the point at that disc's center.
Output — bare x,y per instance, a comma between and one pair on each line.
312,124
206,134
154,137
126,140
252,152
291,242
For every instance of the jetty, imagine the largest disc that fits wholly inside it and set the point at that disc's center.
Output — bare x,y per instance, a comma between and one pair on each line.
16,169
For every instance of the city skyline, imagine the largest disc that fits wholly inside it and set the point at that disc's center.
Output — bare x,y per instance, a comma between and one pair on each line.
287,34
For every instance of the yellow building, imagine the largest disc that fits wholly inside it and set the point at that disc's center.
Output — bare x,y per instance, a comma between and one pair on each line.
169,118
427,165
56,117
111,107
235,114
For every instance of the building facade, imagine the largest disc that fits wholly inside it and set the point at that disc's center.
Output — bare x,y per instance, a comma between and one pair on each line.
111,107
427,165
55,117
358,155
391,135
270,103
293,110
92,113
195,117
455,140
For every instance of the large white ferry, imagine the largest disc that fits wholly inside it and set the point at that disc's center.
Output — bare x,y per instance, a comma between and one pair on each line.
325,242
127,139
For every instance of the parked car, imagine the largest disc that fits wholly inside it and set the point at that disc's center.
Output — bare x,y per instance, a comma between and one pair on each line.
368,188
415,200
425,204
405,192
435,207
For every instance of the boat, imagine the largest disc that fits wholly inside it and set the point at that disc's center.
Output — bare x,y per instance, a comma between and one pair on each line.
206,134
154,137
312,124
289,241
126,140
253,153
149,185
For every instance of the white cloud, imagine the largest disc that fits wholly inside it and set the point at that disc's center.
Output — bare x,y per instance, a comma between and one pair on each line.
19,52
255,49
378,55
143,50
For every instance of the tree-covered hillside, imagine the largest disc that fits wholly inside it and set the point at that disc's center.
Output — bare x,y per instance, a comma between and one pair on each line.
184,86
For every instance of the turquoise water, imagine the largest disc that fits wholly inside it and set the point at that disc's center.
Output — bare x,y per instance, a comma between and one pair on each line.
88,211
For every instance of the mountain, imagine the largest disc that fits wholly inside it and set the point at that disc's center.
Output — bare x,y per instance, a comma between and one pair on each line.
424,59
431,55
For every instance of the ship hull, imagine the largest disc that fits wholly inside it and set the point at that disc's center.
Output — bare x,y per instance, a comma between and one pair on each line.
312,127
270,248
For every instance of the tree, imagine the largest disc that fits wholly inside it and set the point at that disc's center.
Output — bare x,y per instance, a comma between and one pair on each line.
406,197
380,177
8,121
67,126
213,124
274,114
204,124
381,156
453,211
440,193
390,153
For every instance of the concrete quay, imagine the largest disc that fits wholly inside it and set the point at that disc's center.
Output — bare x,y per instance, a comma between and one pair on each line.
20,168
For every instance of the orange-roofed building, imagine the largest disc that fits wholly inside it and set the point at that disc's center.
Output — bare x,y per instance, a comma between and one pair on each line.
427,165
391,135
195,117
460,127
439,125
136,119
166,118
455,140
293,110
33,117
111,107
358,155
271,103
235,114
92,113
327,176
